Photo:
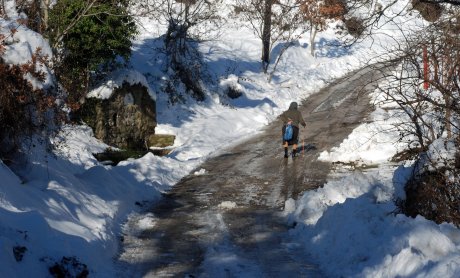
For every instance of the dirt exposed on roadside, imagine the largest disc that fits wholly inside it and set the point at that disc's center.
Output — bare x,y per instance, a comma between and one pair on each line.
233,211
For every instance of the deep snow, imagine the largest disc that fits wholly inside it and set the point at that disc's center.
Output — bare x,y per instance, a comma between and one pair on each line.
66,204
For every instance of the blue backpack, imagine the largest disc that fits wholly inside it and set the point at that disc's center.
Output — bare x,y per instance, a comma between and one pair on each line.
288,132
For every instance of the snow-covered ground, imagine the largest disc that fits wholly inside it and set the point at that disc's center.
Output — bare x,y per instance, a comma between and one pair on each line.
67,205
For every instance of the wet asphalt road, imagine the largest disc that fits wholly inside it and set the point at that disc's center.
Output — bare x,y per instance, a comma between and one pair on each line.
198,232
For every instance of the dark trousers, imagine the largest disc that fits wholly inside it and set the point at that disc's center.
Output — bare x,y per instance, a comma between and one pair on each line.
295,135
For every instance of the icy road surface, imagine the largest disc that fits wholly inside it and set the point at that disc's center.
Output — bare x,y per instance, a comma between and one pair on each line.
227,219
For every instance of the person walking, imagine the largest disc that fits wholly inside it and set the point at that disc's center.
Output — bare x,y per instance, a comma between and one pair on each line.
292,117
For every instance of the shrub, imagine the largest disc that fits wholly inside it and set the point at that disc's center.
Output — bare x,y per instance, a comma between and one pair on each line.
433,196
233,92
434,189
88,39
23,108
186,62
69,267
355,26
429,11
34,14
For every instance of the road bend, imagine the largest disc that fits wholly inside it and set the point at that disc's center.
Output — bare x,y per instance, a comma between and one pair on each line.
229,221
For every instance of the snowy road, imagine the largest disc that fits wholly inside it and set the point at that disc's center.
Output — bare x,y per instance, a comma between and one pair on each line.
228,221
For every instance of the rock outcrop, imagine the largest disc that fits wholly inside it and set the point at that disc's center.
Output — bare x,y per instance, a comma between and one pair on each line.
125,120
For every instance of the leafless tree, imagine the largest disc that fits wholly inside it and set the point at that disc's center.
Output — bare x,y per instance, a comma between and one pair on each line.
446,63
2,8
187,19
425,85
452,2
421,90
186,22
317,12
272,21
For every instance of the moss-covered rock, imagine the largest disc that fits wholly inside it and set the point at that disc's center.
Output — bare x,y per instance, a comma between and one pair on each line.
125,120
160,140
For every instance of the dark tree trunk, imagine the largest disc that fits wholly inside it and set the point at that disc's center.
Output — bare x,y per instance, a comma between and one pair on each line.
44,6
266,33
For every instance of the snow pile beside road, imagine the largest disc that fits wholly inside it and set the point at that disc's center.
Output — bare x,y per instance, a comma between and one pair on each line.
351,228
69,206
370,143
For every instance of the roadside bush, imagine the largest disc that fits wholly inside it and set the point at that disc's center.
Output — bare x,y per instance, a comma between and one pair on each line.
434,189
23,108
87,40
429,11
69,267
34,14
433,196
424,85
355,26
186,62
233,92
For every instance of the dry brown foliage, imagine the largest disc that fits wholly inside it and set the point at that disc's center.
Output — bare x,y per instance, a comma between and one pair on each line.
2,44
429,11
317,12
23,108
434,197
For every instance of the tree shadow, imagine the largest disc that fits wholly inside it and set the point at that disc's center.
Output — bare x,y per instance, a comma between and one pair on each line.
331,49
66,204
227,65
149,59
276,51
245,102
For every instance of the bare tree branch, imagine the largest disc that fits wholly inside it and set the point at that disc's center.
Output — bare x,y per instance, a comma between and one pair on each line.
452,2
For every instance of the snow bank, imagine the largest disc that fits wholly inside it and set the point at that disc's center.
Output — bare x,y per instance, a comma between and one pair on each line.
370,143
70,206
116,80
21,44
441,153
351,228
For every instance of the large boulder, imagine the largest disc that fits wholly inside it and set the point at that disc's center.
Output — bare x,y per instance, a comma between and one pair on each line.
125,118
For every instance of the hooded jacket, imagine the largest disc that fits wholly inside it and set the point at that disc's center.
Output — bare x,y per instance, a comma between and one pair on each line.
292,114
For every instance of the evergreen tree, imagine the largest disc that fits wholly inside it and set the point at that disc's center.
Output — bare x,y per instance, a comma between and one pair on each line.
89,35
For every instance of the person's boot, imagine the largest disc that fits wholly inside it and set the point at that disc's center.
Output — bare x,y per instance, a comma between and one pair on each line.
286,153
294,153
